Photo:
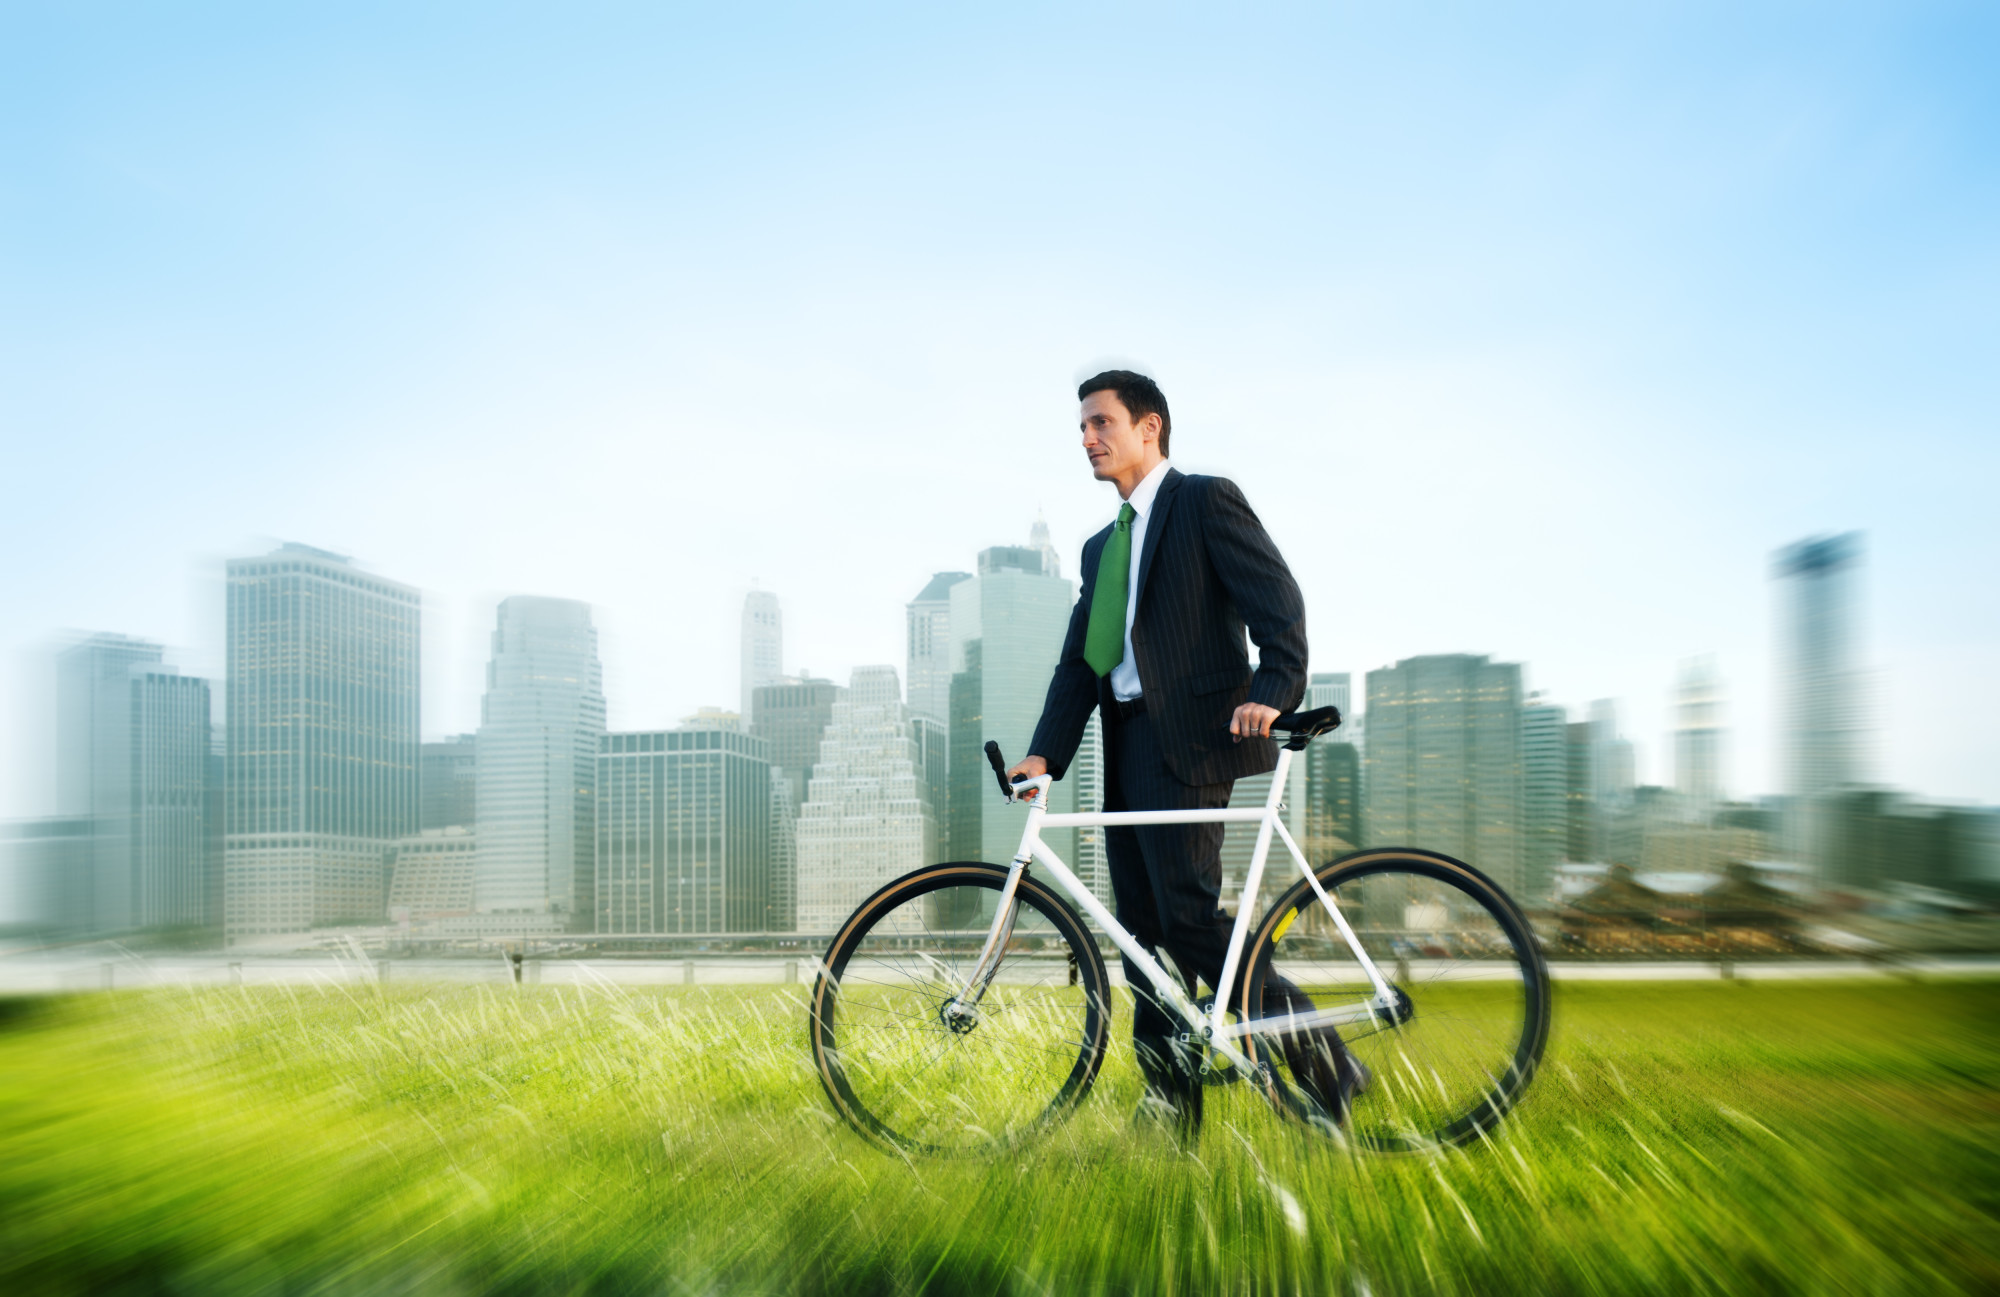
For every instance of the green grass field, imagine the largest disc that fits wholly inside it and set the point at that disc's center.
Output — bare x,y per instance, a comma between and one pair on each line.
1723,1137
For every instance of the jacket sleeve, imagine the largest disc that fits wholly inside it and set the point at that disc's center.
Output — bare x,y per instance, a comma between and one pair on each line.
1261,586
1073,689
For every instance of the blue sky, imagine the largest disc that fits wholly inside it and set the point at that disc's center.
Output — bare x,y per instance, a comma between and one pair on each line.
1530,333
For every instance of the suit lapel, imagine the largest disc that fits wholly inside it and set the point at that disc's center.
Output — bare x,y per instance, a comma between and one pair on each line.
1156,527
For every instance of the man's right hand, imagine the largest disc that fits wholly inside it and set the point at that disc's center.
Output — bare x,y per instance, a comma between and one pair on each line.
1028,768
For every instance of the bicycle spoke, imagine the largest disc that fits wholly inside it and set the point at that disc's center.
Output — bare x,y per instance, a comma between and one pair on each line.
1014,1057
1443,940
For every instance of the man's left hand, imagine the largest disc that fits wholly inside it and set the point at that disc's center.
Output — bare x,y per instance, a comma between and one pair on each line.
1253,720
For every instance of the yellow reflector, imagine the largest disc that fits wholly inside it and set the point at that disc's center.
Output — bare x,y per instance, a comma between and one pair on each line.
1284,925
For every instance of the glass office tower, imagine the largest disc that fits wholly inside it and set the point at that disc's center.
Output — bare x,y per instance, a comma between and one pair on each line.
1443,765
537,746
684,832
322,740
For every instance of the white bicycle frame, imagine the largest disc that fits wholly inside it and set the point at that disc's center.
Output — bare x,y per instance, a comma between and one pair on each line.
1213,1029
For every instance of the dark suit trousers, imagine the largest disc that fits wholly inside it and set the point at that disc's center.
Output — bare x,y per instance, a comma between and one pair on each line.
1167,881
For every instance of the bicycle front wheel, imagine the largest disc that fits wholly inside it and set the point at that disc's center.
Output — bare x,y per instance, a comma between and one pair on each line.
1472,1012
907,1073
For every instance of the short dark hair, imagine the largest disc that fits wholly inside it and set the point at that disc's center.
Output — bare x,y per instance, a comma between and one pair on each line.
1139,395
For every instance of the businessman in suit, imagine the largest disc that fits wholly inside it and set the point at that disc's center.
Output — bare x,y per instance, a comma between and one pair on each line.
1156,643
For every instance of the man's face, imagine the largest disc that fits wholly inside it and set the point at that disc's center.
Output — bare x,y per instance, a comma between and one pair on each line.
1115,444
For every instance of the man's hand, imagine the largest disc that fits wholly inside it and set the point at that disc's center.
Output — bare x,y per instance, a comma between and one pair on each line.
1033,768
1252,720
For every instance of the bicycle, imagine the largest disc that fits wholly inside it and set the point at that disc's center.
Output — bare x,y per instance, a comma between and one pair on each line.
964,1007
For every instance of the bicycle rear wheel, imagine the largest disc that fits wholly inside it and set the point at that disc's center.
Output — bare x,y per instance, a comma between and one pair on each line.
904,1075
1473,991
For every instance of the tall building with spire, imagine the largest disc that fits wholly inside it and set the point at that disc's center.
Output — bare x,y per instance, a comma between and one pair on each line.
866,819
763,648
323,740
535,790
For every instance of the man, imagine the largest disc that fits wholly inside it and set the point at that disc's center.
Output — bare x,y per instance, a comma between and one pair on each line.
1156,643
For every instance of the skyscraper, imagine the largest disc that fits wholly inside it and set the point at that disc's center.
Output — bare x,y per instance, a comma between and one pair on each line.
763,648
866,819
1820,683
174,857
929,617
1583,826
1443,768
791,718
94,769
1614,769
1544,799
1330,689
684,832
1038,540
784,856
933,766
1332,767
1007,627
322,739
450,782
1333,798
540,723
132,754
1698,736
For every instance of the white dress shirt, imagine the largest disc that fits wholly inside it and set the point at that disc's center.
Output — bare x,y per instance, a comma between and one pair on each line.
1125,676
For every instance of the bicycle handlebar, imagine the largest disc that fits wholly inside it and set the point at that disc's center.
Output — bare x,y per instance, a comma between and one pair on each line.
999,764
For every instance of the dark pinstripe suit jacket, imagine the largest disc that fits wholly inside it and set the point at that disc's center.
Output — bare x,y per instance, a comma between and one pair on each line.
1208,568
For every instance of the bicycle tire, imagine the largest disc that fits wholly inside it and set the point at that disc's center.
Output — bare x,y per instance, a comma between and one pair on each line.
898,1073
1474,1011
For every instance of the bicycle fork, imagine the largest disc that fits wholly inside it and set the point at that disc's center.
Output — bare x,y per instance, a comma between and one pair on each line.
962,1012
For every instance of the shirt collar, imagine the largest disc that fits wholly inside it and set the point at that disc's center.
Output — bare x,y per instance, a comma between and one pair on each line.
1142,495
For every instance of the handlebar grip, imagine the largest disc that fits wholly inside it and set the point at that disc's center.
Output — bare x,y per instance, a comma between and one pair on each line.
999,764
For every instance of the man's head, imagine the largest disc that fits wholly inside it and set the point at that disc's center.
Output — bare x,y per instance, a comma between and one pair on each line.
1125,426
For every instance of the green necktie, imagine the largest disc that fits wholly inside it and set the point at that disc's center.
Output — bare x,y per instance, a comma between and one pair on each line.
1104,638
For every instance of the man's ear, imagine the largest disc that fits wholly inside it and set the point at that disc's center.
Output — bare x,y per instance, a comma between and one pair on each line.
1149,428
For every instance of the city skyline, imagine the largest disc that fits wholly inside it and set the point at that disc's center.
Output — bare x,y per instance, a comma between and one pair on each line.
1654,756
1449,750
1642,317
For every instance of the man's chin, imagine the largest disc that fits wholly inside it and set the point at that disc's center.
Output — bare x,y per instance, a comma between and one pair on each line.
1101,470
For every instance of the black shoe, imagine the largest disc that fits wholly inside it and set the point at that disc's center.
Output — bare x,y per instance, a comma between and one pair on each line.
1332,1087
1173,1099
